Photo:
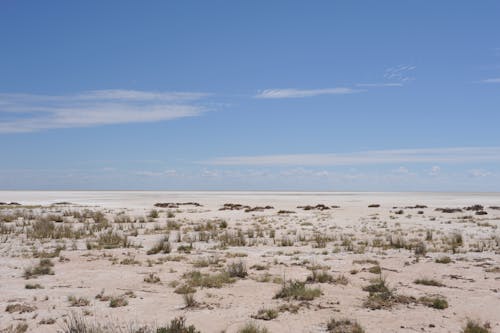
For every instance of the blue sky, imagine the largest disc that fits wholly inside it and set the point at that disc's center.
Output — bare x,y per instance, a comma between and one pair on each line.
259,95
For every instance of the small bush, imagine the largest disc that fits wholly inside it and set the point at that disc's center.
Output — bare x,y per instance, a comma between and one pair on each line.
111,240
375,269
265,314
253,328
152,278
189,300
178,325
443,260
118,301
80,301
298,290
33,286
44,267
198,279
237,269
184,289
344,326
429,282
320,277
381,296
420,249
475,327
154,214
19,308
434,302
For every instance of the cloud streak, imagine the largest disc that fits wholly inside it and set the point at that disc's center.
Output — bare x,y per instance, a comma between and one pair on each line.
492,80
431,155
401,73
29,113
301,93
398,76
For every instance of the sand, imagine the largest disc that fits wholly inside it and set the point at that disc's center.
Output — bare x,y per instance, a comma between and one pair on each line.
336,240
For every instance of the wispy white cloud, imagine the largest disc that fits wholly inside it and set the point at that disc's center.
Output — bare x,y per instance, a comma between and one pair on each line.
434,171
492,80
401,73
165,173
301,93
395,77
431,155
377,85
479,173
28,113
403,171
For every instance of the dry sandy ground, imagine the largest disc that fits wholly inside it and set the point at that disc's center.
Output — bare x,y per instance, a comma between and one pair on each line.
274,246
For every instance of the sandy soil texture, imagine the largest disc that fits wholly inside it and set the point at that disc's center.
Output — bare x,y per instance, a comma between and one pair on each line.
285,262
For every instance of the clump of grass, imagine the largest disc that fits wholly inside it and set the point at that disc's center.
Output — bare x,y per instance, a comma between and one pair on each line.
189,301
378,285
44,267
375,269
19,328
298,290
232,239
420,249
259,267
185,248
20,308
365,261
286,241
154,213
47,321
79,324
118,301
163,246
112,240
198,279
476,327
237,269
184,289
253,328
265,314
344,326
340,279
46,228
443,260
320,277
33,286
429,282
434,302
152,278
178,325
80,301
455,240
381,296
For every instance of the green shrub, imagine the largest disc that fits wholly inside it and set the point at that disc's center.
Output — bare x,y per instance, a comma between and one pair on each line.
163,246
44,267
429,282
476,327
237,269
253,328
265,314
344,326
434,302
178,325
298,290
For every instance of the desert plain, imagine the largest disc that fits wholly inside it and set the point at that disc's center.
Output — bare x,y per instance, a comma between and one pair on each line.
249,262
